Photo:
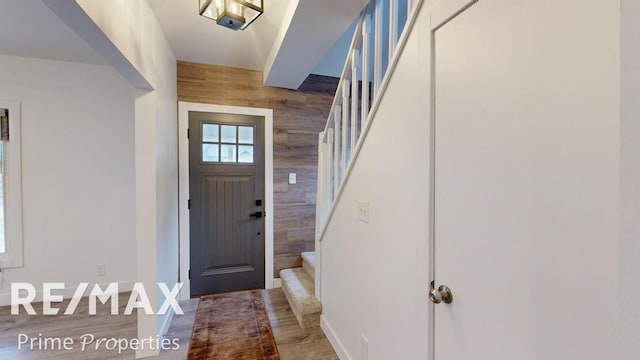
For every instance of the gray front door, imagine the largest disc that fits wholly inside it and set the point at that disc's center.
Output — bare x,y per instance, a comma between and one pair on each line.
226,182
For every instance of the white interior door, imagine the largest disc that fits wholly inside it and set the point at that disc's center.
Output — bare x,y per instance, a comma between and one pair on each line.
526,180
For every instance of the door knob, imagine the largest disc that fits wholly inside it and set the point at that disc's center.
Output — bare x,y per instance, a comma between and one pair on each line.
257,215
441,294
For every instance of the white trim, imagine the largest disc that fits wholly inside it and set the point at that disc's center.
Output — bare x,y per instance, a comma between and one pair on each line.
377,48
164,329
320,180
318,269
183,181
366,31
14,255
355,114
440,15
393,26
337,142
447,10
346,123
321,201
277,283
333,339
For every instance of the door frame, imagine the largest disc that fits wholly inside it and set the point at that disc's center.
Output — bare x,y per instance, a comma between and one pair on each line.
443,12
183,185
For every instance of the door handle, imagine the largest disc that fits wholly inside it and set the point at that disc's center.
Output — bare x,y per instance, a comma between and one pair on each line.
257,215
441,294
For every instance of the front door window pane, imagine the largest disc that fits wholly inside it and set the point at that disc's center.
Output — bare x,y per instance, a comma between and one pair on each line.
210,153
227,143
228,134
245,134
210,133
245,154
228,153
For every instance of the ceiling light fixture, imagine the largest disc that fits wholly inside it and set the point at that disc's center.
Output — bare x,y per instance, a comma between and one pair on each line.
232,14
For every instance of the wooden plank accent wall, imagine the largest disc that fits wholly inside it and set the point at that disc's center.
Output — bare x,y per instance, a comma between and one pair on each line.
298,116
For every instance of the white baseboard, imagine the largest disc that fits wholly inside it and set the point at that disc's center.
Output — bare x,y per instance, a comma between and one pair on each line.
164,329
333,339
67,293
141,354
277,283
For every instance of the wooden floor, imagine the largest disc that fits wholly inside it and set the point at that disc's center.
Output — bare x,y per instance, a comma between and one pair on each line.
293,342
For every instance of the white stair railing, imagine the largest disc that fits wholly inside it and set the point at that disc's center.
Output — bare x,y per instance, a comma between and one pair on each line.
376,41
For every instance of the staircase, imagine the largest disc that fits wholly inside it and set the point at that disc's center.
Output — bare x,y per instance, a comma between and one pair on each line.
375,48
298,285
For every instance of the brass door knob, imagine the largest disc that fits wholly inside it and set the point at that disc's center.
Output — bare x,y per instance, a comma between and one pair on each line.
441,294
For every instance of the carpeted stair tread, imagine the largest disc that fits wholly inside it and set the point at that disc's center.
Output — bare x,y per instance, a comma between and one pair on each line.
309,263
299,289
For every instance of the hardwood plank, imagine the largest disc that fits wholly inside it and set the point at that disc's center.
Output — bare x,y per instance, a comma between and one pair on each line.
293,342
320,84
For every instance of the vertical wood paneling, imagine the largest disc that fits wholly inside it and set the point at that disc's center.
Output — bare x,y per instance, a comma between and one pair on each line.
299,115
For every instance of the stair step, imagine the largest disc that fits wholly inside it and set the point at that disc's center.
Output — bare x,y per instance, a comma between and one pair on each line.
309,263
299,289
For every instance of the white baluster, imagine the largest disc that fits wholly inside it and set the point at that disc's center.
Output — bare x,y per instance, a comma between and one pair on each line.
336,150
346,122
355,118
366,31
379,45
393,26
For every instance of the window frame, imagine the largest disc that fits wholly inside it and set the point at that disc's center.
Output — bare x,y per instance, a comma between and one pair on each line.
237,144
12,161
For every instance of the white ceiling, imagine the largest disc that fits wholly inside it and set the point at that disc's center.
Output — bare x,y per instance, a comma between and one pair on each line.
333,62
198,39
28,28
306,37
292,36
286,42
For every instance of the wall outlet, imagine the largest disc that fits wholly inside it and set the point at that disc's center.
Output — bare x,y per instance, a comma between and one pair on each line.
292,178
364,347
363,211
101,270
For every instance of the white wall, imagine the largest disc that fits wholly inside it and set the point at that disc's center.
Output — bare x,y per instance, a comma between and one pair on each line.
629,266
78,172
333,62
375,275
131,40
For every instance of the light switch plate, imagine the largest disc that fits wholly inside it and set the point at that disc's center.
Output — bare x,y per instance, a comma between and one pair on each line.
292,178
363,211
101,270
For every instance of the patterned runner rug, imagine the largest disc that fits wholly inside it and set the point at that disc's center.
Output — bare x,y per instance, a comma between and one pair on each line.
232,326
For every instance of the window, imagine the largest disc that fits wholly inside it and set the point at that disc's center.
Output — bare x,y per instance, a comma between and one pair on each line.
227,143
4,119
10,185
3,246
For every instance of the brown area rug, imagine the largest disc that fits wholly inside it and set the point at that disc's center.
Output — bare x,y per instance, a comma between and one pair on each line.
232,326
